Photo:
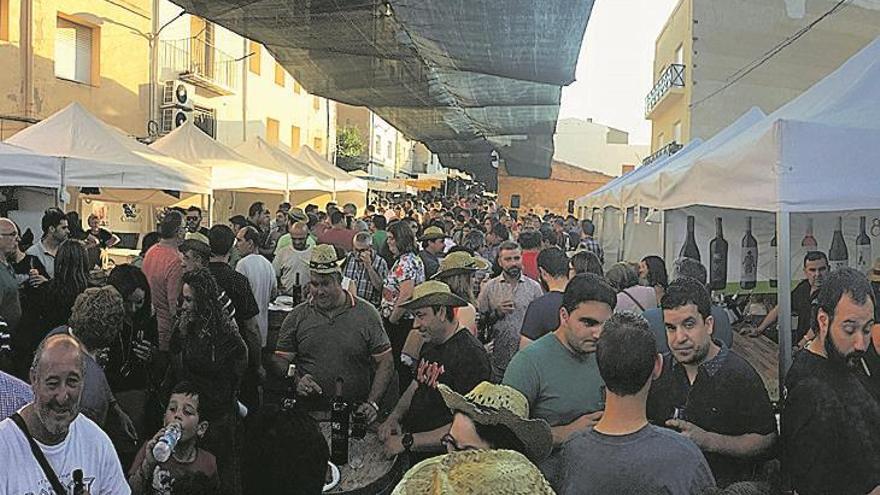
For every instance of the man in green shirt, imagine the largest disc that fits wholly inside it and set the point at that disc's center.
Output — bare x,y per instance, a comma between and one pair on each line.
558,373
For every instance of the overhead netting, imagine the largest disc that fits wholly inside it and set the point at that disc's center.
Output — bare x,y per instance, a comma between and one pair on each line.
465,77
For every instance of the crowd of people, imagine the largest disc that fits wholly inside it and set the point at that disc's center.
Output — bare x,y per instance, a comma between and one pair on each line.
489,348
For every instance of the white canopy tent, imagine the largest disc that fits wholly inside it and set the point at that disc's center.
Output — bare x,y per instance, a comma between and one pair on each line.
228,169
22,167
95,154
343,181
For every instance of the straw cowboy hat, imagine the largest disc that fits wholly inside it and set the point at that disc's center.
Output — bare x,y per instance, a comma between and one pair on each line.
298,215
491,404
324,259
433,233
874,274
475,472
460,262
433,293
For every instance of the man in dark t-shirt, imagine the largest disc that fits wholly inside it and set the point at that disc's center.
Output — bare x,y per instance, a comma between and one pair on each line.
708,392
830,424
803,298
451,356
542,315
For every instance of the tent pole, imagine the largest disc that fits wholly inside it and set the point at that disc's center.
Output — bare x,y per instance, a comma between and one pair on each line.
622,235
210,209
783,233
663,233
60,199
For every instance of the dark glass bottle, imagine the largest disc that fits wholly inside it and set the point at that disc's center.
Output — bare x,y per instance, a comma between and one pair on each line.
774,266
339,421
864,257
838,256
749,275
718,258
690,249
79,487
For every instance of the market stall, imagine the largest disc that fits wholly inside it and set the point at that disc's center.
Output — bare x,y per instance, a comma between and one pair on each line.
348,188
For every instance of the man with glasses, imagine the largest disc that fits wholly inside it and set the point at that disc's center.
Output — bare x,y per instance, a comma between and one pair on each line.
194,221
10,306
365,268
291,262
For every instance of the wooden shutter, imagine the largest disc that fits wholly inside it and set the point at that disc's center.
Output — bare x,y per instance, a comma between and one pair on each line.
73,51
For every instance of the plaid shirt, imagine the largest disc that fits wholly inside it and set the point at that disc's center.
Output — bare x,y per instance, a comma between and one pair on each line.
593,246
14,394
355,269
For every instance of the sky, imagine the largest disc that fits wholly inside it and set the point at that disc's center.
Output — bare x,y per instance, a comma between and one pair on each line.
614,71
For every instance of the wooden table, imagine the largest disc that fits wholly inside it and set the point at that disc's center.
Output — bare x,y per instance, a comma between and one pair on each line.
377,474
763,354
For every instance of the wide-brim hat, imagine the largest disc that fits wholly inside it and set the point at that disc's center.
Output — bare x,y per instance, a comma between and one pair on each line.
874,273
475,472
491,404
324,259
298,215
459,262
433,293
433,233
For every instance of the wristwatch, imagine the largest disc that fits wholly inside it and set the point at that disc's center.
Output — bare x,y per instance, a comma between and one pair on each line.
407,441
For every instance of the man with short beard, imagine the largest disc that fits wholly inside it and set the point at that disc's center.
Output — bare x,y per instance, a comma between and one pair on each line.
68,440
830,421
503,303
708,392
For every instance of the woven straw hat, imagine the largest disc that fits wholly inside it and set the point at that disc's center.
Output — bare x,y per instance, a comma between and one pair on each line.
475,472
491,404
324,259
459,262
432,233
433,293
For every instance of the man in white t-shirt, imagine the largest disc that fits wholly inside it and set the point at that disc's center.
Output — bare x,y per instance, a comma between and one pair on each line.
69,440
259,273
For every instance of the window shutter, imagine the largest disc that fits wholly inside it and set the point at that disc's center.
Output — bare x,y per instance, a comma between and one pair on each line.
73,51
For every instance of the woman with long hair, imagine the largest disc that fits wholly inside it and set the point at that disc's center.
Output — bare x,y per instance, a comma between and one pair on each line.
630,295
129,369
652,273
406,272
208,351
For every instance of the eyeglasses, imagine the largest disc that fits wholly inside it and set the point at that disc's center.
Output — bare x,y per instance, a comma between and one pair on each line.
8,234
450,443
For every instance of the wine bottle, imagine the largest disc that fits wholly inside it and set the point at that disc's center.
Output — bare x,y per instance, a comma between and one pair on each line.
774,281
289,401
718,258
690,249
79,488
339,421
809,242
864,257
749,254
838,257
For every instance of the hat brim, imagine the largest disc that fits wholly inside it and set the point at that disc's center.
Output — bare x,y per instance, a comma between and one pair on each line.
433,237
874,276
535,434
479,264
435,299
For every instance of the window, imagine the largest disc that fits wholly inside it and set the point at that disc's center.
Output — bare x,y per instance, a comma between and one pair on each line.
377,148
571,207
318,145
4,20
316,103
514,200
661,140
205,119
74,51
295,142
296,87
279,74
272,131
676,132
255,50
388,152
679,54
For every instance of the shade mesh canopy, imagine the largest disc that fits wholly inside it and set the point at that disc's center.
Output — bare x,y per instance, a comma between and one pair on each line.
462,76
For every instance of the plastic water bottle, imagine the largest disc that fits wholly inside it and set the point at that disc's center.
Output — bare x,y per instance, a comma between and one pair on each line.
166,443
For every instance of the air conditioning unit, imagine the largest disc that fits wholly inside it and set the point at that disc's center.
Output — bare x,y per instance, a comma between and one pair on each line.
178,94
173,117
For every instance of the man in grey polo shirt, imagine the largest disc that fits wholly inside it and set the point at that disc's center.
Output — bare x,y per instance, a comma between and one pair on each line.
335,334
55,231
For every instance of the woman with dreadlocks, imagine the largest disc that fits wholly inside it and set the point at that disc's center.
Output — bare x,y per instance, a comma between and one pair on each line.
208,350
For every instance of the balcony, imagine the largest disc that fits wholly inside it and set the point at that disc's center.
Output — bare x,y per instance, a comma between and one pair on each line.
202,65
669,88
668,150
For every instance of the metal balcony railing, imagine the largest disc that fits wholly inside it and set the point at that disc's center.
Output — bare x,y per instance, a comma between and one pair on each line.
672,77
202,64
668,150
